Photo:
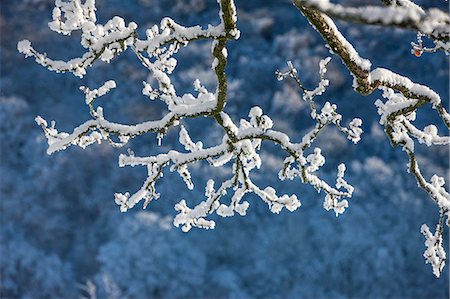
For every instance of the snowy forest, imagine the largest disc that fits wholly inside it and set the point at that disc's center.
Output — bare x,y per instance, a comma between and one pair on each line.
260,149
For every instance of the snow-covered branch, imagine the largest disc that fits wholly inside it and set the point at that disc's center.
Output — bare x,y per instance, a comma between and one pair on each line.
404,97
435,253
433,23
240,146
242,149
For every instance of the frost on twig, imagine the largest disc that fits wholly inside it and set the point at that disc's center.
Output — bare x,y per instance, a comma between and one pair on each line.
435,253
328,115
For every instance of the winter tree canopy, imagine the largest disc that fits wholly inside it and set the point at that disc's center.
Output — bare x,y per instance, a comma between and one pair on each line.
402,99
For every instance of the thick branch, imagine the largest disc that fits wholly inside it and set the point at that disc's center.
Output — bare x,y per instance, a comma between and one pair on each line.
367,81
433,23
228,18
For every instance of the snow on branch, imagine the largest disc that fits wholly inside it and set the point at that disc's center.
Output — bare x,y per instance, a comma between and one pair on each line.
435,253
241,149
241,142
403,97
433,23
107,41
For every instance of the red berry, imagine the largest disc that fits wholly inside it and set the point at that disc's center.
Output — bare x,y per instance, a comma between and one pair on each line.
418,52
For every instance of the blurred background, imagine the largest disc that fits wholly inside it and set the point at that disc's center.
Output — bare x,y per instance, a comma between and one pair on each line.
62,235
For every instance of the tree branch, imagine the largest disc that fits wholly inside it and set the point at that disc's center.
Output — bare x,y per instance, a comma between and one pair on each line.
433,22
366,81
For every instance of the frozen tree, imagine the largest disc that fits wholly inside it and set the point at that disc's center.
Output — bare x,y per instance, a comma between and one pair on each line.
241,143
